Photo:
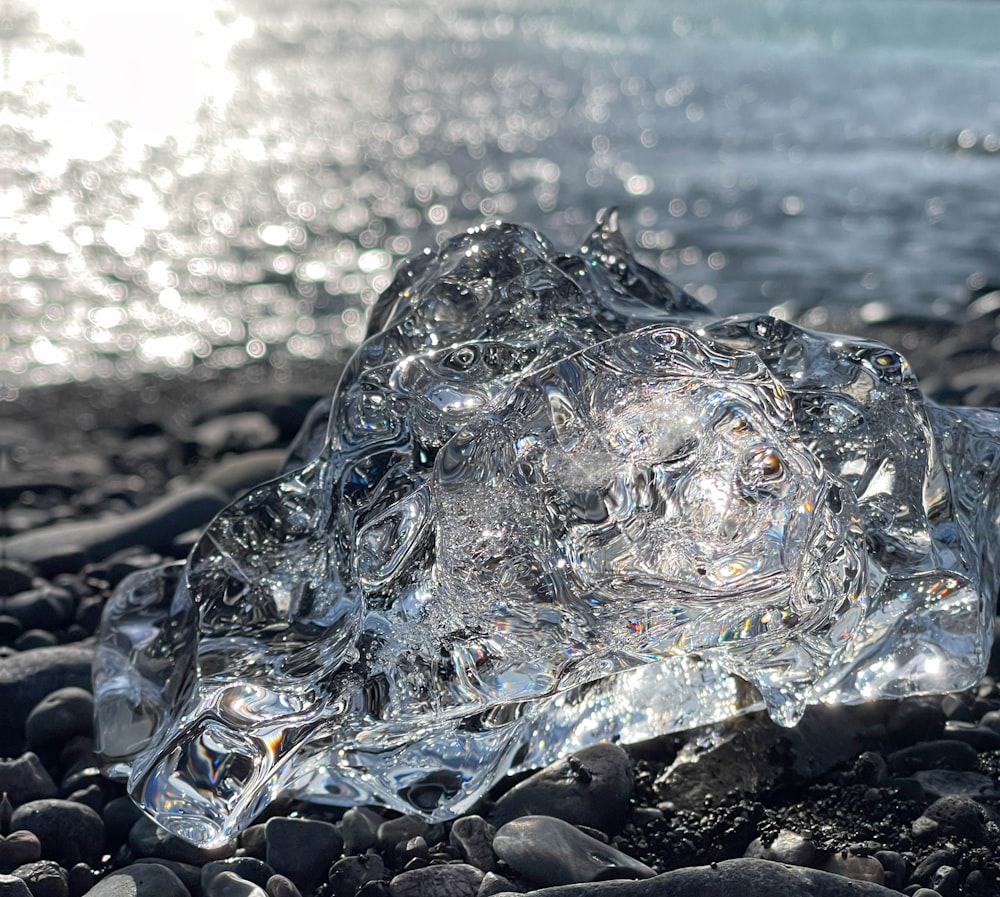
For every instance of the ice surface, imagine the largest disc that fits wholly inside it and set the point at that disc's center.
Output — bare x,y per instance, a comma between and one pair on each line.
555,500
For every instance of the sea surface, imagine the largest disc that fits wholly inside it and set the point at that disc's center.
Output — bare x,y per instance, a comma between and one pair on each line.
198,184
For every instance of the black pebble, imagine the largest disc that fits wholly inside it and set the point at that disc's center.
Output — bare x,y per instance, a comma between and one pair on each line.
70,833
302,849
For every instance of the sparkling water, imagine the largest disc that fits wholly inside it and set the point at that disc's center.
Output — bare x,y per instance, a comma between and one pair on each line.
197,184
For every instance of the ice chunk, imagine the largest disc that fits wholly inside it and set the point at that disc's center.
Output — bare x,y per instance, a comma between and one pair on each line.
555,500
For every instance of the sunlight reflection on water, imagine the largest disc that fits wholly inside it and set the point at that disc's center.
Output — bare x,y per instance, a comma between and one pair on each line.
209,184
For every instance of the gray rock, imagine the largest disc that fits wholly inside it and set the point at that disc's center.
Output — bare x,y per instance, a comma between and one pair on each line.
12,886
591,787
229,884
982,738
250,868
302,849
349,873
59,716
473,837
245,431
359,828
942,782
147,839
27,677
788,847
952,815
856,867
450,880
493,884
44,879
729,878
155,525
19,848
894,868
393,831
25,778
69,833
47,607
939,754
188,873
280,886
549,851
145,880
237,474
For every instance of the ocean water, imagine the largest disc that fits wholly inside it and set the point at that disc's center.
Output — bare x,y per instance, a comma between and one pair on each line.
203,185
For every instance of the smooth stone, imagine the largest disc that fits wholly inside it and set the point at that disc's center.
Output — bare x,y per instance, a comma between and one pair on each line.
591,787
449,880
154,525
15,577
47,607
188,873
788,847
25,779
893,867
69,833
250,868
18,848
28,677
348,874
302,849
35,638
938,754
229,884
926,868
140,880
858,868
473,837
981,738
493,884
942,782
281,886
549,851
59,716
729,878
147,839
119,815
44,878
402,829
359,828
12,886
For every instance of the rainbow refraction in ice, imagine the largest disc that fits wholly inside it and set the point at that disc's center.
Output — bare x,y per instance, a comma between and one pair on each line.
554,500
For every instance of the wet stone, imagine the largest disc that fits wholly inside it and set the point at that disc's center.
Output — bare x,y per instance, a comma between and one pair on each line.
302,849
69,833
119,815
44,878
858,868
894,868
35,638
590,787
549,851
145,880
14,577
189,874
981,738
451,880
473,837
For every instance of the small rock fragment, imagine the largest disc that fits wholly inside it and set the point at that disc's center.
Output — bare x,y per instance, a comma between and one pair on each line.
451,880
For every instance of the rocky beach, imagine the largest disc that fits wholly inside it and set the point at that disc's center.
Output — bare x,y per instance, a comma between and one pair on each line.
103,479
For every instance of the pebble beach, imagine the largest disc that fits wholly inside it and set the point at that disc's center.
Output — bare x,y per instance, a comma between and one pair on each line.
105,479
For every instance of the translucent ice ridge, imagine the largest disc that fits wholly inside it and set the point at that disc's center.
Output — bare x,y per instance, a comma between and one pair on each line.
555,500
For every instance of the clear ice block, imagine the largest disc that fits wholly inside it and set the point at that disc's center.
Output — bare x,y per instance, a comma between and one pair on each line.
554,500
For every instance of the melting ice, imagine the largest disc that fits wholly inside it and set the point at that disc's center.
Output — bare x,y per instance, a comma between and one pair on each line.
554,500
